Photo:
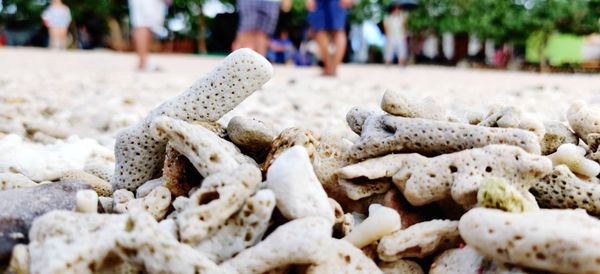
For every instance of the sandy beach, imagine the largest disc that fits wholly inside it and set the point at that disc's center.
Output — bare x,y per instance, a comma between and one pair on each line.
453,186
96,93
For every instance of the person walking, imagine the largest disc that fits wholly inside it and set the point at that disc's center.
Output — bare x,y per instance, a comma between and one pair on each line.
394,26
328,19
258,20
57,18
147,17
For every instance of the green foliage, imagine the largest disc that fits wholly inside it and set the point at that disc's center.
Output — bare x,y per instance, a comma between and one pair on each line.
21,13
506,20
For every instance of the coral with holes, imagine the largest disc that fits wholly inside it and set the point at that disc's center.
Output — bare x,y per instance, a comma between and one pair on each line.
157,202
100,169
395,103
356,117
297,190
593,142
206,151
288,138
388,134
498,193
556,135
563,241
331,154
146,245
574,157
139,156
419,240
296,242
563,189
14,180
67,242
369,177
511,117
583,119
302,241
243,230
220,196
458,175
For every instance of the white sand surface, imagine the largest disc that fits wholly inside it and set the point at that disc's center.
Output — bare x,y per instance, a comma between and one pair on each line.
96,93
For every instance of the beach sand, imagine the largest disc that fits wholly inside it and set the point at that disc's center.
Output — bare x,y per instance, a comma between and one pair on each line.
96,93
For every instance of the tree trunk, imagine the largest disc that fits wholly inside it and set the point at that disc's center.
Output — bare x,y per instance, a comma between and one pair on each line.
201,33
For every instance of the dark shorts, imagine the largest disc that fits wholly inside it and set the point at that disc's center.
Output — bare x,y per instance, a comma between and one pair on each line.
328,15
258,15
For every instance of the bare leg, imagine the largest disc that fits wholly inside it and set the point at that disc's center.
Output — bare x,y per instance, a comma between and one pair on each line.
262,43
62,38
322,39
246,40
142,38
54,38
339,37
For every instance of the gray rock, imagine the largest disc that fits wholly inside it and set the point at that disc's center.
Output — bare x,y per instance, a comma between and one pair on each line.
19,207
252,136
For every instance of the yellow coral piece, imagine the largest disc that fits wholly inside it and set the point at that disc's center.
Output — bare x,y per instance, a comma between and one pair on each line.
497,193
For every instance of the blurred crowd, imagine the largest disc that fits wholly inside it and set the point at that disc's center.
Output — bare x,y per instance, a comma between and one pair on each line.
328,33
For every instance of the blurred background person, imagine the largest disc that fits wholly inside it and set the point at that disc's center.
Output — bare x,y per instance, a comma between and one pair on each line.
328,18
258,21
57,17
281,49
147,17
394,26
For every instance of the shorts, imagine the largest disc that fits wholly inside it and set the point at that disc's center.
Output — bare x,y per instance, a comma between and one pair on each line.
396,47
258,15
149,14
328,15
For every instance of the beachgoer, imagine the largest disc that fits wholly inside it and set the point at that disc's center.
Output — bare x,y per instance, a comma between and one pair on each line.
328,17
258,20
395,32
147,17
57,17
281,49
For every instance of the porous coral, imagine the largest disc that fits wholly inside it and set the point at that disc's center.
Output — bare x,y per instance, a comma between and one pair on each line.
288,138
139,156
563,189
206,151
583,119
498,193
568,245
388,134
219,197
424,180
241,231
